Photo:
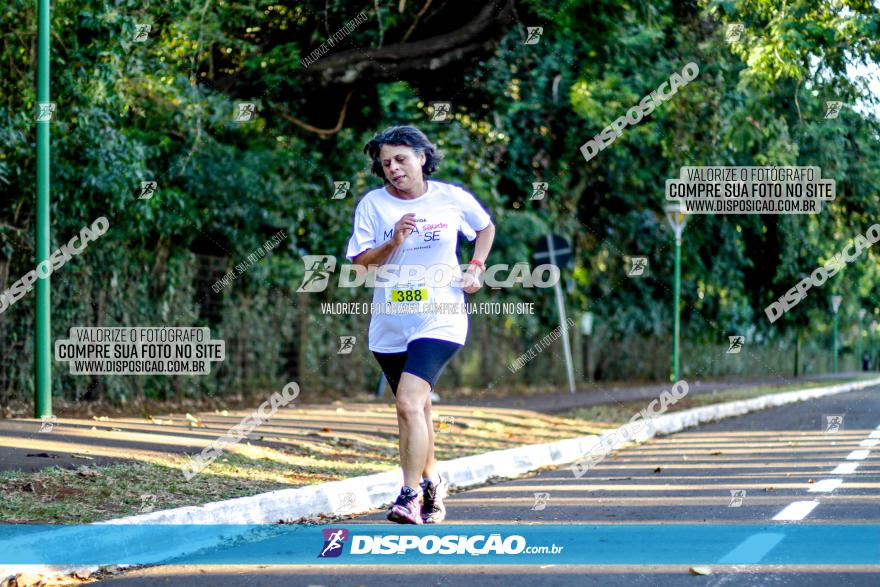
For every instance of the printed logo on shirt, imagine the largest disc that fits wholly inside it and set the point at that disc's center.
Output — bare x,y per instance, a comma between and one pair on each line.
430,232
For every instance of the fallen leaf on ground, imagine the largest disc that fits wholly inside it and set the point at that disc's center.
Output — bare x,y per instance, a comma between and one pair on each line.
193,420
326,430
658,469
715,452
26,580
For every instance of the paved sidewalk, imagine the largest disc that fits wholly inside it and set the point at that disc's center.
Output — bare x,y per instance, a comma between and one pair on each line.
599,394
523,420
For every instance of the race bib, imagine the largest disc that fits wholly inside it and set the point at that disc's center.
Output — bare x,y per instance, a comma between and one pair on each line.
409,295
410,298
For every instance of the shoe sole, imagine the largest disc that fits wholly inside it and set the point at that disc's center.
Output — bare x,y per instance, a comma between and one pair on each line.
400,515
433,519
437,517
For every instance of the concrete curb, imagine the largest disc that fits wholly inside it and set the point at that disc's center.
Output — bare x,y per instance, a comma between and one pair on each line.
366,493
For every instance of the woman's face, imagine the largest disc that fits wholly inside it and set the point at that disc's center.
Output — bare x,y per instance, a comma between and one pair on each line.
402,166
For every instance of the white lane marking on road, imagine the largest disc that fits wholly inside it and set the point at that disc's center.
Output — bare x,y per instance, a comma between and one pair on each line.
874,434
858,455
796,511
825,485
845,468
870,442
752,549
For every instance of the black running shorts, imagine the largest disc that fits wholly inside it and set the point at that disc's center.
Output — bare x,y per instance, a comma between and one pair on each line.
424,358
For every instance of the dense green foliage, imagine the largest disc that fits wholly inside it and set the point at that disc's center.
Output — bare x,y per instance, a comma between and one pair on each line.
163,110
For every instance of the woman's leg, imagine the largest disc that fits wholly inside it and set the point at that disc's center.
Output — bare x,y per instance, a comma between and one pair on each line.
430,462
416,436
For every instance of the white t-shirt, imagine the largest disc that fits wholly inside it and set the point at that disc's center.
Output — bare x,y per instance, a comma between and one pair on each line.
441,213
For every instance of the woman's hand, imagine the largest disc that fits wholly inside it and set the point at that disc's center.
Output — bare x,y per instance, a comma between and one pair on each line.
403,228
470,280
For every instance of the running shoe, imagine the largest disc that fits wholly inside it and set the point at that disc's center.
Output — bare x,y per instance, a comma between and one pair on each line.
433,510
406,509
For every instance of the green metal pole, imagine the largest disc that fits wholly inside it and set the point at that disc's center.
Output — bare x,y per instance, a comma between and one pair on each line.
835,342
675,294
859,347
42,335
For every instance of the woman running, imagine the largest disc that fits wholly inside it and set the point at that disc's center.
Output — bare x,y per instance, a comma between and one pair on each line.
415,222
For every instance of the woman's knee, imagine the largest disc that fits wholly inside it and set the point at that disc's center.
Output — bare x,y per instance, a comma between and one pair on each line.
409,407
411,401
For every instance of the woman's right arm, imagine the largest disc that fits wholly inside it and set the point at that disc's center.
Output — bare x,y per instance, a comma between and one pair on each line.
378,255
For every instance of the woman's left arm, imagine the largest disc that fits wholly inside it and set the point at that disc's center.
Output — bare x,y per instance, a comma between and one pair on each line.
482,247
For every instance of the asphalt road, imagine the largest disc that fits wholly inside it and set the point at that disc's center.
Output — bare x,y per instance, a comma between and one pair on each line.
778,457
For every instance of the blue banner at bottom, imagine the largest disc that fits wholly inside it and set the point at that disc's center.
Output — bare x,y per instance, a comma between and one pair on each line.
584,544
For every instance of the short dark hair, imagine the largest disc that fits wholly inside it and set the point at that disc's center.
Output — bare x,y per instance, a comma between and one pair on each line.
407,136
